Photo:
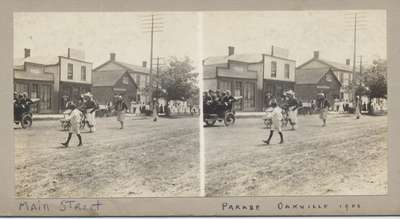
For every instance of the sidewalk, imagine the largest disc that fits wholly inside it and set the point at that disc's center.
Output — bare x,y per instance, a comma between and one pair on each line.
261,114
37,117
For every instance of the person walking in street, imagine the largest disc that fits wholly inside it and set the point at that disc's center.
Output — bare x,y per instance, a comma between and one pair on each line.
90,107
276,123
155,110
323,106
358,107
293,105
120,108
74,118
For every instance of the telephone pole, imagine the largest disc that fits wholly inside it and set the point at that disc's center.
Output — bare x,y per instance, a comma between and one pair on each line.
158,64
152,24
357,24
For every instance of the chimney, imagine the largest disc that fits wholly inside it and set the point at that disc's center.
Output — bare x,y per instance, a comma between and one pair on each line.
27,53
144,64
112,56
316,54
231,50
347,61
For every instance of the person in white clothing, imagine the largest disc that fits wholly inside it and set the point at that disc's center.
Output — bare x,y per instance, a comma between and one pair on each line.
74,118
276,115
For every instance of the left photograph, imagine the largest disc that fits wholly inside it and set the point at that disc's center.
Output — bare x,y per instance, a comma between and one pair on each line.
106,105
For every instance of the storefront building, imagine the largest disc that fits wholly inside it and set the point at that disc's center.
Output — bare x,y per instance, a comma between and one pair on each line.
250,76
54,80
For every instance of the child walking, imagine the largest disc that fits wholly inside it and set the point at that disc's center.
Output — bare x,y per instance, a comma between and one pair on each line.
276,123
74,118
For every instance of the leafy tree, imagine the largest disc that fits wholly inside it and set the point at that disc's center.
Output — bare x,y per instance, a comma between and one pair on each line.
373,82
177,81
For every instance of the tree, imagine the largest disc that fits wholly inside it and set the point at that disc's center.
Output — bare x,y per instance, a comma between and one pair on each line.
373,82
375,79
177,81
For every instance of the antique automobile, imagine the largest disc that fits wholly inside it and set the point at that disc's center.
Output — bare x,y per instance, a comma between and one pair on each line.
23,113
222,112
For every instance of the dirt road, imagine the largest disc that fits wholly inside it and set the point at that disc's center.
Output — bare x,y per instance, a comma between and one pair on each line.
348,157
151,159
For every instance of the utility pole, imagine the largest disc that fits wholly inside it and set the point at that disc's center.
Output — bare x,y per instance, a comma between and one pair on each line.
360,74
357,24
152,24
158,64
354,55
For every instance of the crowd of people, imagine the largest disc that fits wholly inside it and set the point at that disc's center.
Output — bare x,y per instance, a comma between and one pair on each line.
288,105
86,108
218,102
22,103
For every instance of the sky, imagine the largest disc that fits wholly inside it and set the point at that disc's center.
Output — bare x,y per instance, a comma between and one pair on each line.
202,34
301,32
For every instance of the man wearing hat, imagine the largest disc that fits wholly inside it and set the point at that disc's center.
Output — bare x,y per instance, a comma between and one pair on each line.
120,108
323,106
293,105
90,107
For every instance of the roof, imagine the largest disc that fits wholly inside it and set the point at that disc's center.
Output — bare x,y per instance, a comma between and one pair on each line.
43,60
248,58
310,76
338,65
107,78
332,64
126,66
135,68
32,76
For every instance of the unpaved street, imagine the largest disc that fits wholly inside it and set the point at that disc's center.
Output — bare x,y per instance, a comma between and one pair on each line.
151,159
348,157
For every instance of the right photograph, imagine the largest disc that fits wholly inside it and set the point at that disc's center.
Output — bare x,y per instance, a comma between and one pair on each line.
295,103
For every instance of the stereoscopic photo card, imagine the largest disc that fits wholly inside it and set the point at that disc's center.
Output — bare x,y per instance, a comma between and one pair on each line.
188,108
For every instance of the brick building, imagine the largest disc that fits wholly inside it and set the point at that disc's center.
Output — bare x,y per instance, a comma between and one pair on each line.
139,74
250,76
343,72
310,82
106,84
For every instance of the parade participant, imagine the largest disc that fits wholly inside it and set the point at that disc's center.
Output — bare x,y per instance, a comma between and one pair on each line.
276,123
120,108
229,99
155,109
74,118
292,105
358,107
323,106
90,107
268,100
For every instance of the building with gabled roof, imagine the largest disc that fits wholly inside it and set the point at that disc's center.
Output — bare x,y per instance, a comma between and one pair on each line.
343,72
139,74
106,84
310,82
